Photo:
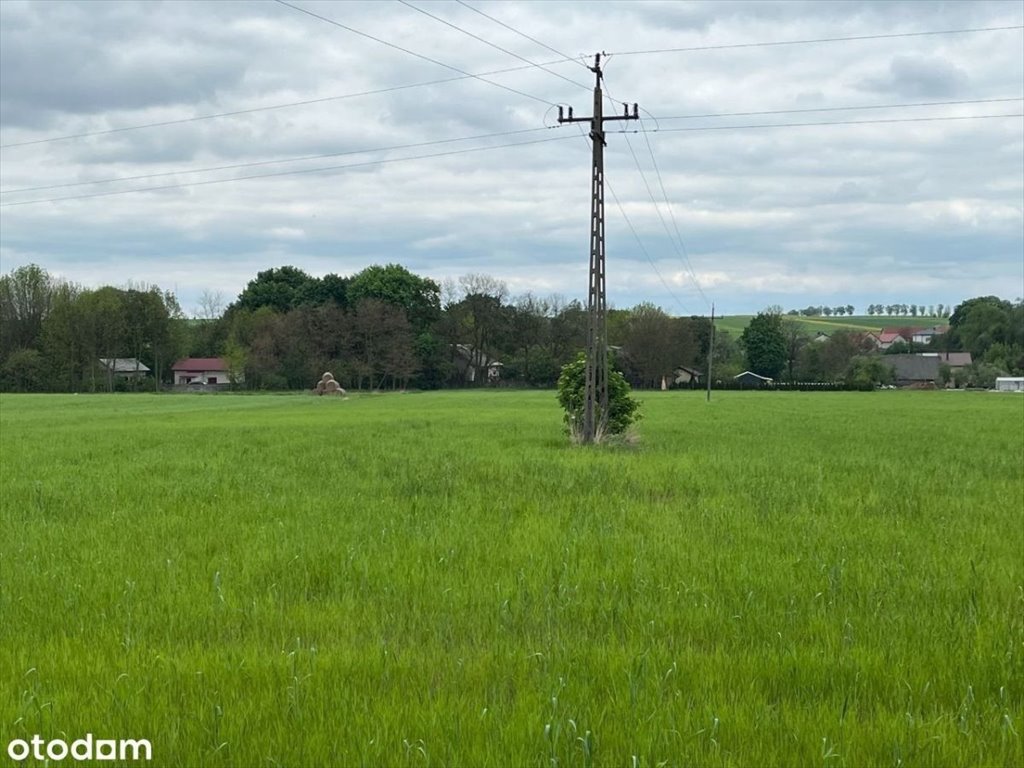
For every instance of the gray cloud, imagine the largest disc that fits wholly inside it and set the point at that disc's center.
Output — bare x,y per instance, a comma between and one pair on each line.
920,77
787,215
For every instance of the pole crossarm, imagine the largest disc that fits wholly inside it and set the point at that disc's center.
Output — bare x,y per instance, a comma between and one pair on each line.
595,404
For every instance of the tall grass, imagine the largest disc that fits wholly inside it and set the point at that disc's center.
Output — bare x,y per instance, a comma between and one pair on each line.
826,579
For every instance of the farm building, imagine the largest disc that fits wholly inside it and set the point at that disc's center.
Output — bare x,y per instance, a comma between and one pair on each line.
1010,384
468,360
685,376
914,370
124,367
751,380
201,371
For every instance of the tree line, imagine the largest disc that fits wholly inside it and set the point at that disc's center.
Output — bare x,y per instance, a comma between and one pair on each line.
937,311
386,327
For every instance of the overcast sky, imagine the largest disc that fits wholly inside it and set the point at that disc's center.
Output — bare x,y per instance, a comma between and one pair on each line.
924,211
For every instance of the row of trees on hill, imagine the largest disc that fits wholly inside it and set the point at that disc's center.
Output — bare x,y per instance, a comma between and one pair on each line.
937,311
388,327
905,310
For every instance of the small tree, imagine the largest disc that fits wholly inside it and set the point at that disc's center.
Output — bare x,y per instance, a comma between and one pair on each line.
622,409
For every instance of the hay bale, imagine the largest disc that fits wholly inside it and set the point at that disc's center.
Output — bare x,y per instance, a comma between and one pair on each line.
329,386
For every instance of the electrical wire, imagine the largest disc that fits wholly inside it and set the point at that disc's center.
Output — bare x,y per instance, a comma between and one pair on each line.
636,236
275,174
841,109
522,34
810,125
492,45
411,53
817,40
257,163
269,107
657,209
678,244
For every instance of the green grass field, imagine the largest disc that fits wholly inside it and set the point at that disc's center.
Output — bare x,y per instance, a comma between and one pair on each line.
735,324
820,579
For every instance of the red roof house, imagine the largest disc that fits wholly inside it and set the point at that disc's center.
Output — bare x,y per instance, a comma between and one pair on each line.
201,371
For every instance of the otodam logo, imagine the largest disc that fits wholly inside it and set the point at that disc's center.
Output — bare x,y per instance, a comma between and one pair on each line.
85,749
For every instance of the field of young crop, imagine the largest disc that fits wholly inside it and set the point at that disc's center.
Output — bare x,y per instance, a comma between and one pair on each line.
829,579
735,324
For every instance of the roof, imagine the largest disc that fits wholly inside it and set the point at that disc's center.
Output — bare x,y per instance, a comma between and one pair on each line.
914,367
124,364
687,369
955,359
475,357
751,373
888,337
201,364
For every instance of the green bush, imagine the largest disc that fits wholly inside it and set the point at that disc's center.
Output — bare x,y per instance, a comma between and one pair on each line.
622,409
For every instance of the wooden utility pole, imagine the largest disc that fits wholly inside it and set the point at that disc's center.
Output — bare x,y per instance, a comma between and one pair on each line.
595,402
711,349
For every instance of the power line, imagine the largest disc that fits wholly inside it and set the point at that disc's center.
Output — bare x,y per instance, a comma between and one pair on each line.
675,224
286,173
411,53
467,77
657,210
492,45
636,236
522,34
840,109
274,162
816,40
680,249
643,249
808,125
306,102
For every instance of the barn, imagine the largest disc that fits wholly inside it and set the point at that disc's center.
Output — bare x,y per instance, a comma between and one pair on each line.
751,380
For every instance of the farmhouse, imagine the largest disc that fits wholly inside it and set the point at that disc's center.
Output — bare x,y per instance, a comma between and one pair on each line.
124,367
201,370
889,336
925,335
751,380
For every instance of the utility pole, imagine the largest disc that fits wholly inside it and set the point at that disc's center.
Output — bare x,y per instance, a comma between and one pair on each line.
711,349
595,402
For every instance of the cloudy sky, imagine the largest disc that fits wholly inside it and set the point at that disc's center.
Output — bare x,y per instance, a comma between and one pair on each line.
408,160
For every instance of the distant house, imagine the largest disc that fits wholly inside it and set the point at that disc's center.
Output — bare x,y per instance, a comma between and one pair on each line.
955,360
914,370
469,360
124,367
925,335
888,336
1010,384
201,371
820,336
751,380
685,376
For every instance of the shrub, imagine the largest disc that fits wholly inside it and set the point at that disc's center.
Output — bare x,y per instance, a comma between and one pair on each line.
622,409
